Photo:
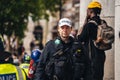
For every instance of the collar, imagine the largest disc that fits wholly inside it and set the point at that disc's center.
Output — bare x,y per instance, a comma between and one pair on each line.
60,44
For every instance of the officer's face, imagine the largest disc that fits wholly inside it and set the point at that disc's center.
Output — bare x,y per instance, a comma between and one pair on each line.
64,31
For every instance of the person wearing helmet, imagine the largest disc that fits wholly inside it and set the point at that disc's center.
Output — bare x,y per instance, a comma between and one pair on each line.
96,57
25,65
35,55
33,63
8,71
26,58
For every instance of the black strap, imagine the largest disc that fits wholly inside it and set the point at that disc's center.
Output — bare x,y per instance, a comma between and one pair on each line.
61,52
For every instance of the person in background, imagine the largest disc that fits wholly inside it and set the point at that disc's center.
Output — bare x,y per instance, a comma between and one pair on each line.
74,33
21,51
32,45
8,71
96,57
26,63
15,59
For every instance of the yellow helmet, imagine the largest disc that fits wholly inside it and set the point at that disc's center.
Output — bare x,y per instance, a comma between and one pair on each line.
94,4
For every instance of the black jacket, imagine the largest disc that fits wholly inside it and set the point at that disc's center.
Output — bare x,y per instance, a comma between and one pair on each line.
50,48
96,57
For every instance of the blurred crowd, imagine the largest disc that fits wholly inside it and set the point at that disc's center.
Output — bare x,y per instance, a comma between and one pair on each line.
17,64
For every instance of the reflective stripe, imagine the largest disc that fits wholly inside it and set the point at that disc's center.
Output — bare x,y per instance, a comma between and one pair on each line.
19,73
25,67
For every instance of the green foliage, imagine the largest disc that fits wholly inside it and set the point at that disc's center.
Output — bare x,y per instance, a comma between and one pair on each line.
14,14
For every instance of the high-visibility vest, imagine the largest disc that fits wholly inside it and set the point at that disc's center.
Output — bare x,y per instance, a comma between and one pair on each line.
11,72
25,66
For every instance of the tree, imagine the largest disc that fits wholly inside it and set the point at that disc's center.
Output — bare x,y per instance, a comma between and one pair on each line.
14,14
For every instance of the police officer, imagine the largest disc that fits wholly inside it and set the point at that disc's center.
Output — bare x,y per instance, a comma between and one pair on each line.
26,63
33,63
8,71
55,48
96,57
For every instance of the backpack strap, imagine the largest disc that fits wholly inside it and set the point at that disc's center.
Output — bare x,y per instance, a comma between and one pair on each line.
99,28
94,41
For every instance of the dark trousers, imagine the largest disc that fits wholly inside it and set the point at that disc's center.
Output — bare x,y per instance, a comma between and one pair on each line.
95,67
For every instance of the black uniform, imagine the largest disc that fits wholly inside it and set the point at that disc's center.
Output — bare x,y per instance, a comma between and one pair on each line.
48,52
95,67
